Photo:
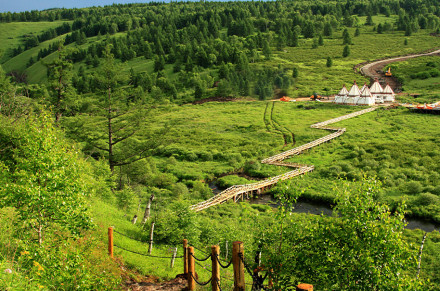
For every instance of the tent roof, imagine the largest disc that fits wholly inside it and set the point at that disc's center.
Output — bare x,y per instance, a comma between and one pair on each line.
376,88
354,91
388,90
366,92
343,91
363,87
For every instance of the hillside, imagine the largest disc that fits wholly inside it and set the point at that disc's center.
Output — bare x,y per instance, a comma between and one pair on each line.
107,110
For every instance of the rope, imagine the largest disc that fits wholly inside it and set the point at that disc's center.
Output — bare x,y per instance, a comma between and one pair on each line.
201,284
201,260
218,284
200,250
257,280
240,255
146,255
221,265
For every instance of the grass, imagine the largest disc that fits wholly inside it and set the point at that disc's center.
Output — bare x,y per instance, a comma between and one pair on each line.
12,34
379,144
314,76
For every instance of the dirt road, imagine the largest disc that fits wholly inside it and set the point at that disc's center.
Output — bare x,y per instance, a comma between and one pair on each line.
375,69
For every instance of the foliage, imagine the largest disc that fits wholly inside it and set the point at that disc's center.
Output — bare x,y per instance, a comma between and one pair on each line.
42,176
356,249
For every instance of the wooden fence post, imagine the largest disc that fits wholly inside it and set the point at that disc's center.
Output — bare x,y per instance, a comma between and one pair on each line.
304,287
174,257
150,247
191,269
185,256
215,256
237,251
110,241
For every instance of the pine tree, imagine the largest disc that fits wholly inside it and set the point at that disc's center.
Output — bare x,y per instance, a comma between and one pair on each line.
295,72
329,62
320,40
379,28
357,32
346,51
60,88
346,37
266,49
328,29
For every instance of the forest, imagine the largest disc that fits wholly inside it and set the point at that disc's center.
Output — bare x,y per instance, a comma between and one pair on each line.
105,110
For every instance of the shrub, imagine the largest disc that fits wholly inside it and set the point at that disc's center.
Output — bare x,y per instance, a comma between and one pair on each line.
413,187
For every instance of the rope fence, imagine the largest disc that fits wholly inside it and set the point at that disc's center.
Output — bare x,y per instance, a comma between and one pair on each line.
190,260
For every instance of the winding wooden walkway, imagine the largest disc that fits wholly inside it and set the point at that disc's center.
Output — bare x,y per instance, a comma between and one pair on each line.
240,191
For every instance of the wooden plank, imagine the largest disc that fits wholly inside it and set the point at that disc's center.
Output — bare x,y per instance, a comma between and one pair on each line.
277,160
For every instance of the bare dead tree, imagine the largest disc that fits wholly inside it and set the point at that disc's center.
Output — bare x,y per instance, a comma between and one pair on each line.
147,209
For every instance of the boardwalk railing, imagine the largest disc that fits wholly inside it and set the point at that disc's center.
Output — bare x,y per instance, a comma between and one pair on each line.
239,191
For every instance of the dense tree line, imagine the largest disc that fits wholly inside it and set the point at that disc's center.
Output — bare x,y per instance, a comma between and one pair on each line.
221,37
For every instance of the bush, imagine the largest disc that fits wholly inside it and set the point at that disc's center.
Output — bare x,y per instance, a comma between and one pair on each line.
434,73
413,187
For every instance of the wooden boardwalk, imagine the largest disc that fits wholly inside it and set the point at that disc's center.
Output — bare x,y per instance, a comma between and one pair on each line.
241,191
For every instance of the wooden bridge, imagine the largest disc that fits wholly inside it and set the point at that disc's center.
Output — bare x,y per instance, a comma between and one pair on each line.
241,191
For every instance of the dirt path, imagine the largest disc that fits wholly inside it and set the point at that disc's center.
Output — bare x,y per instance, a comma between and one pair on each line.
177,284
375,69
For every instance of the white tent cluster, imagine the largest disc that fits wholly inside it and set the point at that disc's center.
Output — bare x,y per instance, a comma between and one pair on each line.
365,96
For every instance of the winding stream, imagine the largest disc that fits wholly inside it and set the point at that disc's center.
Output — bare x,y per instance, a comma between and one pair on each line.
318,208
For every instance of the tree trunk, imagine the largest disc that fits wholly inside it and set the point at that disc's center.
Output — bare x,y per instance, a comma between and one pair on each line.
110,133
135,217
147,209
40,234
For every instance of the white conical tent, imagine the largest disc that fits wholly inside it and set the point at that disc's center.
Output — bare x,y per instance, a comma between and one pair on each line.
341,98
366,92
343,92
353,94
363,87
388,90
376,88
366,98
388,94
354,91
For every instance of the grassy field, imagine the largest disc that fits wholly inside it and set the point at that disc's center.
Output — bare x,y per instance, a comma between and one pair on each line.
419,76
314,76
398,147
12,34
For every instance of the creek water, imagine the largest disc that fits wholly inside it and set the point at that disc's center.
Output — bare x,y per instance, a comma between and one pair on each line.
321,208
317,208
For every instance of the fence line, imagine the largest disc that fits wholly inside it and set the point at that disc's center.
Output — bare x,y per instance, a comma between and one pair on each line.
190,260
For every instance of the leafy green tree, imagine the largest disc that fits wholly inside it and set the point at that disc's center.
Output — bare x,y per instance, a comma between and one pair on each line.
346,51
357,32
42,176
357,248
